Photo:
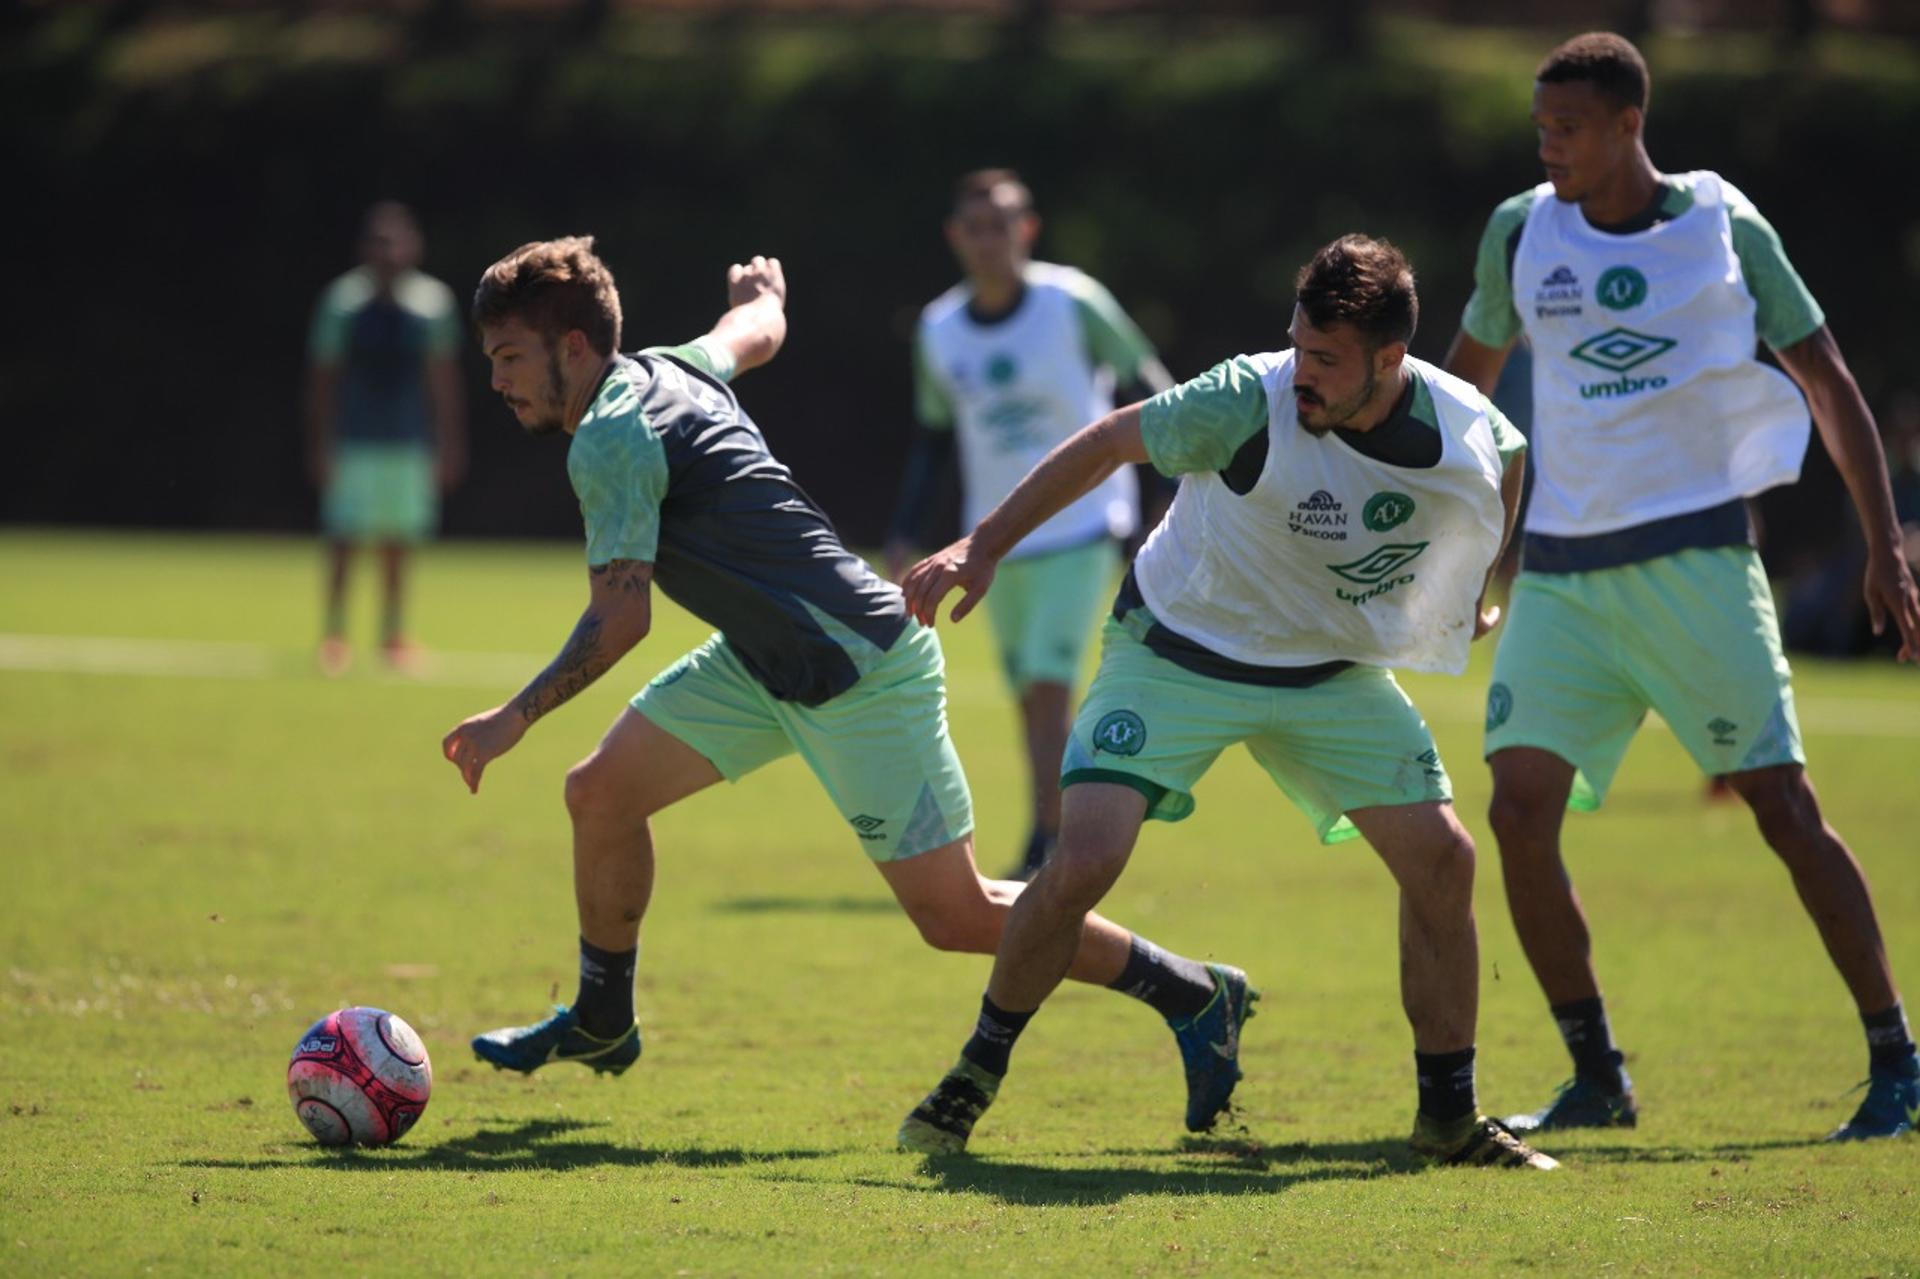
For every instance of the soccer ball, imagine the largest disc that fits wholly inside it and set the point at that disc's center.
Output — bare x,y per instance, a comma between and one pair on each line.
359,1075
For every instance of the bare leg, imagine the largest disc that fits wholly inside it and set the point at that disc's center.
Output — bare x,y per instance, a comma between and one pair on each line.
1530,788
1831,884
334,653
957,909
1043,931
1431,857
638,769
1046,714
393,580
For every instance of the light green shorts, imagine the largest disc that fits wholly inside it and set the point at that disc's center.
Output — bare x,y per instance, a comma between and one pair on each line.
881,748
1045,608
1691,635
383,492
1352,741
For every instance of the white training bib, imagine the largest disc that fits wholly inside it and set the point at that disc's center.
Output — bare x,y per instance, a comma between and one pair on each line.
1332,555
1648,400
1020,387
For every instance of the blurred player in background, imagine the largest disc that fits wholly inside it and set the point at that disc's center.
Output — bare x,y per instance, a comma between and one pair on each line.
386,419
1643,296
815,654
1006,365
1342,508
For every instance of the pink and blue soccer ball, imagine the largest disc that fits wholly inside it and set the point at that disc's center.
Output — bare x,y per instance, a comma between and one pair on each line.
359,1076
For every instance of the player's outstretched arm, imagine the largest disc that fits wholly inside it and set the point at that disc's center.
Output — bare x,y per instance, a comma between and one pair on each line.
1072,470
1512,483
618,615
755,324
1846,427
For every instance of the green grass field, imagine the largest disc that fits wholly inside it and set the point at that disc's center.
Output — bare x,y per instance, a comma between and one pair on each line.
206,846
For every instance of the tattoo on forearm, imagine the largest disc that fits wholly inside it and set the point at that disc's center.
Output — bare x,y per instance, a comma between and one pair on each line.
580,663
625,576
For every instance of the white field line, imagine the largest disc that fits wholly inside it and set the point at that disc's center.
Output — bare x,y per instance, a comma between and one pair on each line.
1897,718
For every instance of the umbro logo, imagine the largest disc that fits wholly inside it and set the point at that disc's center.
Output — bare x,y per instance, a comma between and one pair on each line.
1723,731
867,827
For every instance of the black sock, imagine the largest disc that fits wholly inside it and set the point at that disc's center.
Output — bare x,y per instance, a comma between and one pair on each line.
1172,985
1446,1084
993,1036
605,1001
1889,1041
1583,1024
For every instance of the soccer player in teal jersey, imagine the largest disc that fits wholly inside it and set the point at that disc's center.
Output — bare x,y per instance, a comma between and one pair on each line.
386,419
1643,296
814,654
1341,509
1008,364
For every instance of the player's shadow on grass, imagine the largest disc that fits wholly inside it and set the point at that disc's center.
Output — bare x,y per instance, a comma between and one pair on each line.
806,906
537,1143
1208,1166
1725,1152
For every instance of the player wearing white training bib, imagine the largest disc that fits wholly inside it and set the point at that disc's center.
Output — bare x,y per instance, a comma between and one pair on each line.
1341,507
1008,364
1643,297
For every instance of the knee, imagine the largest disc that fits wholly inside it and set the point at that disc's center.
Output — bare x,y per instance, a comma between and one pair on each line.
1448,882
593,793
1522,817
1078,873
959,925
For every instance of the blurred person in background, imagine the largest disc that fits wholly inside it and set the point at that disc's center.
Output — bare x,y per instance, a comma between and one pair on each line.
1644,297
1008,364
385,419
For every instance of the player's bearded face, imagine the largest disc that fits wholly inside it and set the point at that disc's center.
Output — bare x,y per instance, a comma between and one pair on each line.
1319,415
1333,374
547,407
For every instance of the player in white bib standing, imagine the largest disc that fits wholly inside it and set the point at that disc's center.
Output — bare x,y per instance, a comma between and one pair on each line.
1340,510
1007,365
1643,296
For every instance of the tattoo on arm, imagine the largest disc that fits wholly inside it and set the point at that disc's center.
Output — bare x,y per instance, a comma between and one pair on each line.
587,656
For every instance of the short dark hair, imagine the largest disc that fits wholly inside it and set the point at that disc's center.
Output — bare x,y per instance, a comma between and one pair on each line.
554,286
1363,282
1604,60
982,183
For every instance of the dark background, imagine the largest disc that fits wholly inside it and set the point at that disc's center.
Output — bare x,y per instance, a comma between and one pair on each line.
185,179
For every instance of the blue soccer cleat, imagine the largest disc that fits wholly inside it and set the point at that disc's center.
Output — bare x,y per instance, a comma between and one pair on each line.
1582,1103
558,1038
1210,1046
1890,1108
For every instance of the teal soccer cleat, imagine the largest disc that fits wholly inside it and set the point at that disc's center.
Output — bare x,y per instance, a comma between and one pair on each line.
1210,1046
558,1038
1581,1103
1890,1108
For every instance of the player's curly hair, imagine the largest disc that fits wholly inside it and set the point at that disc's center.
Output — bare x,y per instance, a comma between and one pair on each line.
1363,282
1604,60
554,287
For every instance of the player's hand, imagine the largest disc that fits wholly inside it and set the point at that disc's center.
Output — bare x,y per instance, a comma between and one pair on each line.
476,742
935,577
747,281
1485,618
1891,593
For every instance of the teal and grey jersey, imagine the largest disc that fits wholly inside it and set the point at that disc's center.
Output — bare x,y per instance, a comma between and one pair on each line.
669,469
381,343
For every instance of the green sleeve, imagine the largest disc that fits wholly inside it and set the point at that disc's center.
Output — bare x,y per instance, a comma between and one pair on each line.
619,472
1506,436
1200,424
704,353
1785,310
931,404
327,338
444,330
1490,318
1112,338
